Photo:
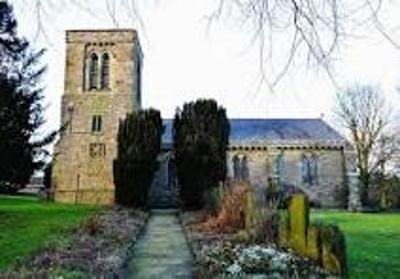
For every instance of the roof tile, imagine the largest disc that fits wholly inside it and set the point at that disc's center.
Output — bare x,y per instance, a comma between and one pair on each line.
274,131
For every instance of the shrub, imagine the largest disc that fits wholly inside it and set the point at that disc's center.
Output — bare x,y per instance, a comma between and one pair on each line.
341,195
201,134
240,212
262,215
384,192
231,217
139,143
214,198
390,193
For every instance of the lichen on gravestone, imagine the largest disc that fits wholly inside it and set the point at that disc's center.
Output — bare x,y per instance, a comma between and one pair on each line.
299,219
324,244
314,243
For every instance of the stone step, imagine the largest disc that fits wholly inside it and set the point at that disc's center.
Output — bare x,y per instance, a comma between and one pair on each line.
160,205
164,211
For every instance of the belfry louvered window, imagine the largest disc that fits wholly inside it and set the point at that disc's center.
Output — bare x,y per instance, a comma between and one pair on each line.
93,71
105,71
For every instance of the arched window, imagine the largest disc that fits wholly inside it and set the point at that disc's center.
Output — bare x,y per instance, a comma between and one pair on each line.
93,71
105,71
240,168
236,167
245,169
309,169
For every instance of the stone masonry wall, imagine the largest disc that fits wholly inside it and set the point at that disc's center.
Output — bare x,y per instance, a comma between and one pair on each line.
331,171
82,170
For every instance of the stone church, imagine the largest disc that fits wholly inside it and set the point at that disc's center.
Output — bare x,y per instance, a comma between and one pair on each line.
103,83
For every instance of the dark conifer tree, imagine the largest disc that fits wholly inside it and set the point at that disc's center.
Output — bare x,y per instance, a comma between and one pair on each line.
139,143
21,110
201,138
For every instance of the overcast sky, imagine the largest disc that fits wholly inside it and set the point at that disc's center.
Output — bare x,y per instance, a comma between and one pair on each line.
183,60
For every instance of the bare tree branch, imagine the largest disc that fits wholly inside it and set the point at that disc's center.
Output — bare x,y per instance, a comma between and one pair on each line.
111,9
321,27
379,26
286,31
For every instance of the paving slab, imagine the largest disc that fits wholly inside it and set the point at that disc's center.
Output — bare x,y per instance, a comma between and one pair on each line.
162,250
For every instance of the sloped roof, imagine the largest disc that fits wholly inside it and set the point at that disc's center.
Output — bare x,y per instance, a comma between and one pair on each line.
274,131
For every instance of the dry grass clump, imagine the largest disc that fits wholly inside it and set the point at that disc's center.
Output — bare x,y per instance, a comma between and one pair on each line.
231,216
246,211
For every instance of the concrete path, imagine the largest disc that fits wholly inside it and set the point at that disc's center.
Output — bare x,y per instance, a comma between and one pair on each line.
162,251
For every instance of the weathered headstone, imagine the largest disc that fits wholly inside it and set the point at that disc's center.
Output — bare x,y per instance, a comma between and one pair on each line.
324,244
314,243
299,220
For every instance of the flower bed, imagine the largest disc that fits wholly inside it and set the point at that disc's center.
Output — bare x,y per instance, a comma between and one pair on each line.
227,255
98,248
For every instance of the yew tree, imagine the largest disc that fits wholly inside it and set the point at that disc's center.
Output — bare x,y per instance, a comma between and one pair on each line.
201,137
139,143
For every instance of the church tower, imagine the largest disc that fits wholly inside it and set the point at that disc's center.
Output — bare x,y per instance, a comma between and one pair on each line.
102,85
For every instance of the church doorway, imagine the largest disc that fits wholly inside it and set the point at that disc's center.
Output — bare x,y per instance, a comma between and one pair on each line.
164,189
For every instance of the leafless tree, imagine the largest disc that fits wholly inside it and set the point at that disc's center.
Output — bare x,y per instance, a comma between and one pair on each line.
313,31
309,31
364,113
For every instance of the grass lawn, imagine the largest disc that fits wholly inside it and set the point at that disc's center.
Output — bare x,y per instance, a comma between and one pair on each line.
27,223
373,242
